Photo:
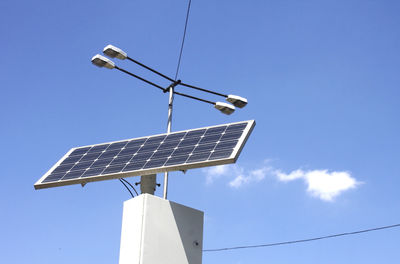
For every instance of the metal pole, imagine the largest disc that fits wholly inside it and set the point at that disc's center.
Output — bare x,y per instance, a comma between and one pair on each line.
170,104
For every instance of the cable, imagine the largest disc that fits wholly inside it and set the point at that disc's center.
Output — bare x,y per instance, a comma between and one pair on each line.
303,240
126,187
183,39
130,185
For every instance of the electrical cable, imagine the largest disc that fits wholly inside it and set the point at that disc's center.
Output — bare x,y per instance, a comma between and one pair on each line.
130,185
126,187
303,240
183,39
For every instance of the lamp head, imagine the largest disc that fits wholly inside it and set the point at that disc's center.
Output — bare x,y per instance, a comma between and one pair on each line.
237,100
101,61
224,108
114,52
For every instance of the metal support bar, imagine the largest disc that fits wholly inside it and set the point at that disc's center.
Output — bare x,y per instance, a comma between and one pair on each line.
172,85
170,106
175,83
140,78
204,90
150,69
148,183
195,98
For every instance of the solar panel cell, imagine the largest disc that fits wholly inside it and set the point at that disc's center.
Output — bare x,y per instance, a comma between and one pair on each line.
101,162
63,168
142,156
135,143
155,140
73,175
109,154
128,151
169,145
177,160
174,137
221,154
71,159
136,165
195,133
118,145
80,151
236,127
215,130
148,148
90,157
230,136
183,151
162,154
155,163
93,171
81,166
198,157
120,160
226,145
210,138
189,142
54,177
98,148
113,169
204,148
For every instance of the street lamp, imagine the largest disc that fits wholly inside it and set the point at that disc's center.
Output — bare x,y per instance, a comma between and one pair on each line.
101,61
237,100
114,52
226,108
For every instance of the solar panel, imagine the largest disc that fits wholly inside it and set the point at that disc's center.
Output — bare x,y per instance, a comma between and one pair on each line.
195,148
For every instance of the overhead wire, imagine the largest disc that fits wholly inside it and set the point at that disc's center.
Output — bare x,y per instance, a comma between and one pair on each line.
183,39
303,240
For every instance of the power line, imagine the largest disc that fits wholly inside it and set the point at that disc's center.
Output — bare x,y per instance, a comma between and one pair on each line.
303,240
183,39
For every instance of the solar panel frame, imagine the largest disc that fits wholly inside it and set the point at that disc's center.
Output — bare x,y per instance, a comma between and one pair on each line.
173,163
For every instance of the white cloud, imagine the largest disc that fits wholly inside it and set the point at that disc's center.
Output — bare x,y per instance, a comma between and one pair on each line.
240,175
256,175
323,184
297,174
215,172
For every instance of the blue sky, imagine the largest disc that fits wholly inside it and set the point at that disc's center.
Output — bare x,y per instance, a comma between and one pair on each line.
322,82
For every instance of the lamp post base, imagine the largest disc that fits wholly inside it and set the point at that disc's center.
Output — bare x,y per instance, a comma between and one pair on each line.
155,230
